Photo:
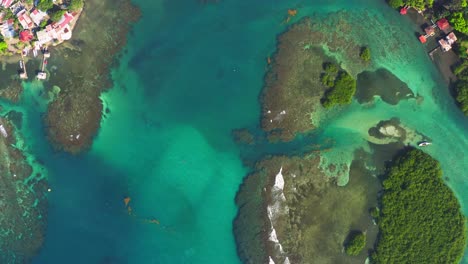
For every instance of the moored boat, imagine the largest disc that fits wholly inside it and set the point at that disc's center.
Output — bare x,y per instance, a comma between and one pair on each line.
424,143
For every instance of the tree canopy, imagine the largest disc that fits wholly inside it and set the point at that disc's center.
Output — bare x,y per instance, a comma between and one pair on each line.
420,219
45,5
3,46
341,92
365,54
459,22
76,5
356,243
419,4
57,15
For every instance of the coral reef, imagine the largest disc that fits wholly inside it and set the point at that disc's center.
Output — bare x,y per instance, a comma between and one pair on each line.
23,202
291,211
82,72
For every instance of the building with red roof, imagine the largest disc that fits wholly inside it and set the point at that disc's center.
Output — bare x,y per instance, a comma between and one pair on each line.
26,36
67,18
25,20
430,31
443,24
6,3
422,38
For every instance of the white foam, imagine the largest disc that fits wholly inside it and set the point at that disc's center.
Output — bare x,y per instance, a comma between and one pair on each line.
286,261
275,209
273,237
271,260
3,131
279,181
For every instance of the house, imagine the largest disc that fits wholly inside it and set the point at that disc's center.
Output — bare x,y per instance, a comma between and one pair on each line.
43,37
430,31
7,28
422,39
37,16
451,38
6,3
25,20
444,45
443,24
66,19
26,36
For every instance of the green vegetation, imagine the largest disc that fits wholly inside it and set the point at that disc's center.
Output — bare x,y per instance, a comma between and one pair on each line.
419,4
45,5
57,15
356,243
330,68
365,54
3,47
420,219
396,3
342,86
76,5
374,212
461,86
459,22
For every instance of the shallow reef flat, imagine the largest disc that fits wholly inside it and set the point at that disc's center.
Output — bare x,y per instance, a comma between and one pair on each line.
82,71
291,210
23,200
292,91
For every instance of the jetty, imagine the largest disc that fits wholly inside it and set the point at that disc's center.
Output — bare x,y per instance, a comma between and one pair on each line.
42,75
23,74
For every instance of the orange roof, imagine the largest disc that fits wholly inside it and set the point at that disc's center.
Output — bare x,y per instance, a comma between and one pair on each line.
422,39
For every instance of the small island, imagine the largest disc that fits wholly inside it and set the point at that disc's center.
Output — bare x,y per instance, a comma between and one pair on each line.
355,244
420,219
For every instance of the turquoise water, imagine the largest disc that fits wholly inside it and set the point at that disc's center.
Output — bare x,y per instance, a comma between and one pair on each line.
192,73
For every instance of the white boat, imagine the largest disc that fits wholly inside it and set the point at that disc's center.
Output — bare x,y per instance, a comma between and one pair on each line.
424,143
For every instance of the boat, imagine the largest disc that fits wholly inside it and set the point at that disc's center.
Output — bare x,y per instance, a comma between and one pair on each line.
424,143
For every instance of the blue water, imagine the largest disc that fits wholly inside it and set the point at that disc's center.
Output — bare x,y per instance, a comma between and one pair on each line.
192,73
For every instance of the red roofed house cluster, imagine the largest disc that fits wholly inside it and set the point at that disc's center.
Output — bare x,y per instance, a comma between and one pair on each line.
56,31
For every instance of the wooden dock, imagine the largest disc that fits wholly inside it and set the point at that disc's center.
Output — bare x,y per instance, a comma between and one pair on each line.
23,72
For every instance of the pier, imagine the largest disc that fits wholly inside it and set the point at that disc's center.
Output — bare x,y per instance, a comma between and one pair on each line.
23,74
42,75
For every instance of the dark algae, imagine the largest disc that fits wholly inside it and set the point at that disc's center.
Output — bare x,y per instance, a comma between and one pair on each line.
420,220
